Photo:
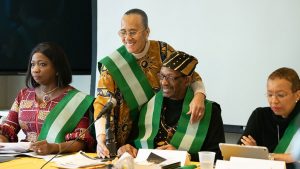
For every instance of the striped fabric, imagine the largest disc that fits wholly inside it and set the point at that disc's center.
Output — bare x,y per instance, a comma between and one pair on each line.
129,77
65,116
284,145
189,137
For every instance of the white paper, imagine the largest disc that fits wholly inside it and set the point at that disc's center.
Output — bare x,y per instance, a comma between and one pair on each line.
14,147
30,154
258,163
75,161
222,164
249,163
171,156
45,157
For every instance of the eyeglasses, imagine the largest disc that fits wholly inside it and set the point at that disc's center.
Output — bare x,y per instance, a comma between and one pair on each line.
168,78
131,33
277,95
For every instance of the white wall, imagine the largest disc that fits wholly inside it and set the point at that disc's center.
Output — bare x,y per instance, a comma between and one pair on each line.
238,43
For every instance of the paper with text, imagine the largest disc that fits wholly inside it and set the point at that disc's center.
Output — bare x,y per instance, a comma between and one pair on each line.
14,147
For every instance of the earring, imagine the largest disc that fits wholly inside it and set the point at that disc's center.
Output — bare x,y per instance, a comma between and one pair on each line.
56,74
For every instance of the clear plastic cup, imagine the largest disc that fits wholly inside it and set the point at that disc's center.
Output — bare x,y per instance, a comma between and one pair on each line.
206,159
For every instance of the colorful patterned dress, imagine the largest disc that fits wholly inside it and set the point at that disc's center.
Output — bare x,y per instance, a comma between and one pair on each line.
29,115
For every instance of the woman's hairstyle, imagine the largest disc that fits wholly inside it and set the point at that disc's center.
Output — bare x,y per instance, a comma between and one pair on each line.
141,13
59,60
287,74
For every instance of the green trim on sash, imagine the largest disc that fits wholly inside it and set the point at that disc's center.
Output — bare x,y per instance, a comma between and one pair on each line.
65,116
130,79
149,122
287,136
187,136
141,127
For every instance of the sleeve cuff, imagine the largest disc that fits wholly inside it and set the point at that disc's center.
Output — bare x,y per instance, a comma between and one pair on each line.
100,126
198,86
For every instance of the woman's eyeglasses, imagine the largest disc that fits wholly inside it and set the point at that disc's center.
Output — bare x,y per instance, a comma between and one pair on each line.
277,95
131,33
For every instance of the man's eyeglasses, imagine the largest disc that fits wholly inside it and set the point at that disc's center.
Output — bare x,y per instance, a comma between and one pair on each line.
276,95
168,78
131,33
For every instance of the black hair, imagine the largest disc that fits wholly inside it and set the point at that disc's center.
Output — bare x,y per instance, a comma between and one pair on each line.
59,60
141,13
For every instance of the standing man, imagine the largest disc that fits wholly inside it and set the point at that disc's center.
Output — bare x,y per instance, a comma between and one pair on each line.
130,75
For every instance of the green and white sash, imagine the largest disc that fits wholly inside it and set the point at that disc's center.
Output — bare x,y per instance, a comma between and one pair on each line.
284,145
189,137
65,116
129,77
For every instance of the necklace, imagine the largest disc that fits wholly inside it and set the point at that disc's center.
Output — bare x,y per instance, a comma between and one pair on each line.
46,97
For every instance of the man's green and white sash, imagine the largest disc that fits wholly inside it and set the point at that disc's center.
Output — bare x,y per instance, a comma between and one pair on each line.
129,77
65,116
189,137
284,145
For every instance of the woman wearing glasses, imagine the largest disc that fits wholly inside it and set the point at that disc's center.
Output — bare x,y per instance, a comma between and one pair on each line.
274,126
130,75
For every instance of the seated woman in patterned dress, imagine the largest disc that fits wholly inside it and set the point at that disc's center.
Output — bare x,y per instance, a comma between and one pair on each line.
50,112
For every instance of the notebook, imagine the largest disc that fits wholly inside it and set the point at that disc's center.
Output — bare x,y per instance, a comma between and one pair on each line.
236,150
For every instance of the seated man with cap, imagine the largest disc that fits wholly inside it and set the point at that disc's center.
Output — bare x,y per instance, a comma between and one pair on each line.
164,123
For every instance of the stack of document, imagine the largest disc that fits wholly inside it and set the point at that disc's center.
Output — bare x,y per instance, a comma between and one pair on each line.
17,147
8,151
77,160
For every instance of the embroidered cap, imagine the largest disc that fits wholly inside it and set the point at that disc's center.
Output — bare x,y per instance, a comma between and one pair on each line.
181,62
